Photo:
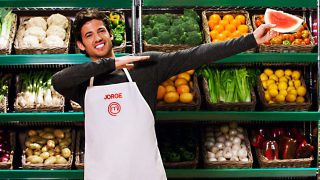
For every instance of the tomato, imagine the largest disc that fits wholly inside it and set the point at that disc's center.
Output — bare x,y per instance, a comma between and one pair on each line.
306,40
297,42
291,37
261,17
258,22
267,43
303,43
297,35
301,28
285,36
305,33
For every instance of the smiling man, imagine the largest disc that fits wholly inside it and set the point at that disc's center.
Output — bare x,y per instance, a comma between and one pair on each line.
120,140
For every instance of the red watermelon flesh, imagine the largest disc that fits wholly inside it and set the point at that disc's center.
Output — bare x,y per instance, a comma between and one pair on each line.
285,22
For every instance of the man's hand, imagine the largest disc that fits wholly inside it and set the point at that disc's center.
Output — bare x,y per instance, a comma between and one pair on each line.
263,33
126,61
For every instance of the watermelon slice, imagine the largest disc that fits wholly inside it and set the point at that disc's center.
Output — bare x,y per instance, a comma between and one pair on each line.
285,22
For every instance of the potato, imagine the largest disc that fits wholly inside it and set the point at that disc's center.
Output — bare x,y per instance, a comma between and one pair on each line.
32,133
37,152
51,144
64,143
66,153
27,143
41,141
51,152
61,160
45,155
44,149
35,159
57,149
50,160
48,129
35,146
58,133
33,139
29,152
48,136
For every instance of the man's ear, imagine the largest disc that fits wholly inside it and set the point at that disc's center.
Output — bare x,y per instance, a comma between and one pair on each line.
80,46
111,37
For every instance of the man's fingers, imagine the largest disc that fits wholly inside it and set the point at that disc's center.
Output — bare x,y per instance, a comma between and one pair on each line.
129,66
141,58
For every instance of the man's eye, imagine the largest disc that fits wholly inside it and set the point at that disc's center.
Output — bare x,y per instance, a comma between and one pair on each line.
88,35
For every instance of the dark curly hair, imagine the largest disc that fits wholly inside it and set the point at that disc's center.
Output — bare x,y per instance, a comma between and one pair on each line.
87,15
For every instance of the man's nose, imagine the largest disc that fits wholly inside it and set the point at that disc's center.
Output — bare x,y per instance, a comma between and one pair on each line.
97,38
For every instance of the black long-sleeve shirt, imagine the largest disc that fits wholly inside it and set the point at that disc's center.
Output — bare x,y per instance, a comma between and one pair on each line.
72,82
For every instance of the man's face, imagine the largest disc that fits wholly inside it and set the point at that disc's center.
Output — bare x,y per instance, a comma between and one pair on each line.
96,40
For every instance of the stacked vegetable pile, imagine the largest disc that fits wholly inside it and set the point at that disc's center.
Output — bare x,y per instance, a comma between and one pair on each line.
283,86
48,146
37,92
5,146
227,26
178,147
172,29
178,88
227,142
7,19
301,37
281,143
4,86
228,85
38,32
117,25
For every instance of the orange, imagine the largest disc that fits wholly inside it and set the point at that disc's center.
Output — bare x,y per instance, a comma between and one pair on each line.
243,29
219,28
224,23
241,18
211,24
215,41
300,99
161,92
214,34
183,89
171,97
288,72
291,98
167,83
235,22
185,76
226,33
236,34
214,17
280,98
170,88
231,28
180,81
301,91
295,75
186,98
228,17
297,83
221,37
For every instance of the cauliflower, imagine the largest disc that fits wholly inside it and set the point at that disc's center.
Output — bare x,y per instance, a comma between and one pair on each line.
37,21
57,31
53,41
30,42
37,32
58,20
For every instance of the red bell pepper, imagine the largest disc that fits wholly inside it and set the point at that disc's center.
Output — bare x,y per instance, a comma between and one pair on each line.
271,150
304,150
288,147
258,139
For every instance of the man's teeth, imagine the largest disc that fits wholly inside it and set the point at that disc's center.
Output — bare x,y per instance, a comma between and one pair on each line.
100,46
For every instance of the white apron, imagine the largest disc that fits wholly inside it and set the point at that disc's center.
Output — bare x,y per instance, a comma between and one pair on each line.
120,139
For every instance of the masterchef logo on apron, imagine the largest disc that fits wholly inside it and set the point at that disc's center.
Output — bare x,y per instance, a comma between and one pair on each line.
113,108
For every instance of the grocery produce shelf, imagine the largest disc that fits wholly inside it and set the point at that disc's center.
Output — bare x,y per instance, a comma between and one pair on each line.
40,59
171,173
67,3
170,116
234,3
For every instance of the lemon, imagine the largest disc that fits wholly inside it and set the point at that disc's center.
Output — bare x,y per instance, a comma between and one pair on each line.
185,76
282,86
274,77
296,75
273,92
291,97
186,98
283,92
283,79
268,71
279,73
300,99
288,72
297,83
292,91
180,81
264,84
267,96
171,97
280,98
290,83
273,86
173,78
288,77
290,88
270,81
271,102
191,72
263,77
170,88
301,91
167,83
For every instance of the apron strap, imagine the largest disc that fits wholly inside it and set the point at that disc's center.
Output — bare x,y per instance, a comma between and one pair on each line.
91,81
127,74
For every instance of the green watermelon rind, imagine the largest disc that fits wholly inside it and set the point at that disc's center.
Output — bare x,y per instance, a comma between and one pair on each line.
293,28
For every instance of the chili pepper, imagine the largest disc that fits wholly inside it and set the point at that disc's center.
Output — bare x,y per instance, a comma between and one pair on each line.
258,141
286,42
304,150
288,147
271,150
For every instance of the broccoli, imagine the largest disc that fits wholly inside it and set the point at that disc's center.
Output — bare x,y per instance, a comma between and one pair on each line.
191,13
182,38
175,31
193,38
147,33
164,37
173,40
146,19
153,40
159,28
161,19
189,26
